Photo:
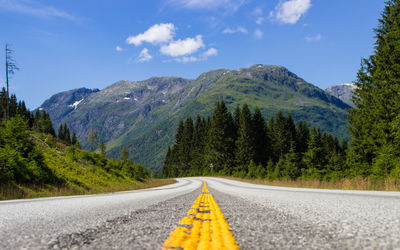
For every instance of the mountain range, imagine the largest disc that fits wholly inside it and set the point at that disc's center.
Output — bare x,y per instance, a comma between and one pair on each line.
343,91
143,115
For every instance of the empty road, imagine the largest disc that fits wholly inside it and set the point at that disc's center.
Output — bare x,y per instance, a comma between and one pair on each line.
203,212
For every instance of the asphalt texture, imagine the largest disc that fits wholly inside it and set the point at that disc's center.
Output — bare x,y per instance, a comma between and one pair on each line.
261,217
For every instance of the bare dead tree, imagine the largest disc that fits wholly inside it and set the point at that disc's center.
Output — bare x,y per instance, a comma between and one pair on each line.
11,67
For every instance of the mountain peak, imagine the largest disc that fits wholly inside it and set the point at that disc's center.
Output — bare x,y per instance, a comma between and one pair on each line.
343,91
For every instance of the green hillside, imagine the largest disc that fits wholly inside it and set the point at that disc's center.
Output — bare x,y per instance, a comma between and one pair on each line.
143,116
34,164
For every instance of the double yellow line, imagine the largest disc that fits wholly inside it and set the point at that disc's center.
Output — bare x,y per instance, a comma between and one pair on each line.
204,227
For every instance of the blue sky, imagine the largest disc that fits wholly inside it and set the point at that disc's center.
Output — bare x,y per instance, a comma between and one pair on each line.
61,45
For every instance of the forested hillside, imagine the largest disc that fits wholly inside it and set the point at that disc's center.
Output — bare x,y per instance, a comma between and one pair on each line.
245,145
36,162
142,116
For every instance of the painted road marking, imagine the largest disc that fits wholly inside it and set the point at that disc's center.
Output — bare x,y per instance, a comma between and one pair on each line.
204,227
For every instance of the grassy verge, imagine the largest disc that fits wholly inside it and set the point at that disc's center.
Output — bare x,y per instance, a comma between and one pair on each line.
14,191
345,184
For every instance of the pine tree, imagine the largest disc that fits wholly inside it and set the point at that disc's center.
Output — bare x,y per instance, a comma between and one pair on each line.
165,171
74,139
67,135
292,168
61,131
302,137
186,145
102,147
236,118
262,141
3,102
124,155
283,133
221,144
197,163
12,107
245,144
315,159
93,137
374,121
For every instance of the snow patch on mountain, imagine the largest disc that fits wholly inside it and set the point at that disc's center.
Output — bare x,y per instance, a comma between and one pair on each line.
75,104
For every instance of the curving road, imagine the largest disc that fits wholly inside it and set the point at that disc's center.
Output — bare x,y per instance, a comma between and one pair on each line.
260,217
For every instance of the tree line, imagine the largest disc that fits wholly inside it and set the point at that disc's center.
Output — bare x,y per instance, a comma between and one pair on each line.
243,144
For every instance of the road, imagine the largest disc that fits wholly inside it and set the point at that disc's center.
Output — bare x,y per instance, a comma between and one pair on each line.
260,217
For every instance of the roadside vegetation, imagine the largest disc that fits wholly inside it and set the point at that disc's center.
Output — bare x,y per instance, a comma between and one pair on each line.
34,162
280,152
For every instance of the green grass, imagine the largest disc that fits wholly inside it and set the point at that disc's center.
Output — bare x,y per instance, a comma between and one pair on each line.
79,172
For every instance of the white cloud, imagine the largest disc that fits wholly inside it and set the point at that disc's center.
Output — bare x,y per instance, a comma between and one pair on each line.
210,52
203,57
238,29
232,5
183,47
290,12
118,49
314,38
156,34
258,34
260,20
34,9
144,56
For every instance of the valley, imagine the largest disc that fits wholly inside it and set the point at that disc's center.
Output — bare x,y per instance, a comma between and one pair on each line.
143,116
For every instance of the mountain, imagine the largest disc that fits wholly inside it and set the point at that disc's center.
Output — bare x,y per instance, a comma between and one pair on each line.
143,115
61,104
343,91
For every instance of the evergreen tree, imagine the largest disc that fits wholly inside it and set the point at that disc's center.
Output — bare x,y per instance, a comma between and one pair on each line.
245,144
165,171
283,133
221,144
292,163
124,155
236,118
186,145
373,122
12,106
74,139
3,103
262,142
67,135
61,131
315,159
302,137
93,137
102,147
197,163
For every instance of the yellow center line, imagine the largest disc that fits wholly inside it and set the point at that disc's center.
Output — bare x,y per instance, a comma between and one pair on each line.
204,227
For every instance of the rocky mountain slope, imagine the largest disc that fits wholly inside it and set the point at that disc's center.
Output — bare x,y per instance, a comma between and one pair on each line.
143,115
343,91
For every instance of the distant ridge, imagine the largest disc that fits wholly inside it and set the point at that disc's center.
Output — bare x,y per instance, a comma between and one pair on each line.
143,115
343,91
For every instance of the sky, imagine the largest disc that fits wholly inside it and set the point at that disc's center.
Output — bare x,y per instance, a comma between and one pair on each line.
65,44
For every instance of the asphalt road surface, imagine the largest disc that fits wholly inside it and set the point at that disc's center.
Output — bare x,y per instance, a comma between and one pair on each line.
260,217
